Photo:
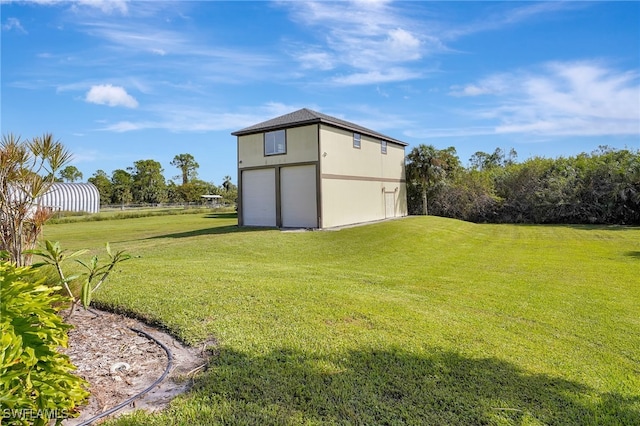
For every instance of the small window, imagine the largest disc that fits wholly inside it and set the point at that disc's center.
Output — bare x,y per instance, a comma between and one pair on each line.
356,140
275,143
383,147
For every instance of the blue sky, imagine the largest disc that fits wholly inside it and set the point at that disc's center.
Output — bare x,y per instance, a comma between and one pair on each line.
120,81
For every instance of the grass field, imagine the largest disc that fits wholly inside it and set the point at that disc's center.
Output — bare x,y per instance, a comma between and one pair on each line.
416,321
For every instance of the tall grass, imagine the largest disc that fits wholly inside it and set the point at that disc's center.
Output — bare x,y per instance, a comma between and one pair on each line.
417,321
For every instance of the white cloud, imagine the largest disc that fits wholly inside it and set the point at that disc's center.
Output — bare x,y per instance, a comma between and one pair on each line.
126,126
105,6
108,6
493,85
449,132
405,43
529,11
361,38
376,76
564,98
509,15
187,51
140,38
13,24
83,155
106,94
373,117
179,118
316,60
469,90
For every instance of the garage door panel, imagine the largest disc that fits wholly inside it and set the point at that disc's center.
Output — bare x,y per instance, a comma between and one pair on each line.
298,197
259,197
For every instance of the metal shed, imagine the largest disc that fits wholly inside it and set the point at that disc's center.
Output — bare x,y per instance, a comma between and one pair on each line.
72,197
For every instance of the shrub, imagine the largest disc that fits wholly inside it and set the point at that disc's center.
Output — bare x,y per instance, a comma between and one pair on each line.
96,275
36,383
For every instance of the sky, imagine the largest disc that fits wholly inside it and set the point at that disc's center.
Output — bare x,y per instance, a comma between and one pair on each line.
120,81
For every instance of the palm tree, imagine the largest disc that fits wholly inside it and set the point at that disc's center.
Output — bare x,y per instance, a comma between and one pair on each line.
226,184
187,165
427,166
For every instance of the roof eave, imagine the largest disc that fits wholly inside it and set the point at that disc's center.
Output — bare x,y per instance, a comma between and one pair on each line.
364,131
318,120
250,131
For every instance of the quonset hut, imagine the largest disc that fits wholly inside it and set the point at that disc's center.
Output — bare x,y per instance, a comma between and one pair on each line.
71,197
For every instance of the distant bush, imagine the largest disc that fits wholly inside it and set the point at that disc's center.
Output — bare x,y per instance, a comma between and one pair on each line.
602,187
36,383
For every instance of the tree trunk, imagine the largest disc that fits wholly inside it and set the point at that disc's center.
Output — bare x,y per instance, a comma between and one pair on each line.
424,201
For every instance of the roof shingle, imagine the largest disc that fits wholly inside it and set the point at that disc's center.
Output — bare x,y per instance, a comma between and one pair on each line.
306,116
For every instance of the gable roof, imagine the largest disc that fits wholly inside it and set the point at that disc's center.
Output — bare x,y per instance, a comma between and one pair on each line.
306,116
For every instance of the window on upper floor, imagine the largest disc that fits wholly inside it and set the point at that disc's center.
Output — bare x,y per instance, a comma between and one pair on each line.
275,142
356,140
383,147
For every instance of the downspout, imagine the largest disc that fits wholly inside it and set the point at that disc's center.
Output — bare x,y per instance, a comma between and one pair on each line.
319,180
239,200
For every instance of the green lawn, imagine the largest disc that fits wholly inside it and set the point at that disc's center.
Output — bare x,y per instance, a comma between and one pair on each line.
416,321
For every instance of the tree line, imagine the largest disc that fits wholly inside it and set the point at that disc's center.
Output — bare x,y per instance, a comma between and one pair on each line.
601,187
144,183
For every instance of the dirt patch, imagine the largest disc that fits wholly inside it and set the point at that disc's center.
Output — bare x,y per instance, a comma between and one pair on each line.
119,363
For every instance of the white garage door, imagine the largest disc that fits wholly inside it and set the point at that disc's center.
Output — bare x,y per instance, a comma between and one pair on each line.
298,200
259,197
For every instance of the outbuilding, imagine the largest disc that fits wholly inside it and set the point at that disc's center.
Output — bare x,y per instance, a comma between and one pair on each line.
212,199
310,170
71,197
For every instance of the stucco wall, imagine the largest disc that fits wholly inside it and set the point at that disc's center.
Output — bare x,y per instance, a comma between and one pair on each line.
302,146
339,157
354,180
346,202
355,201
